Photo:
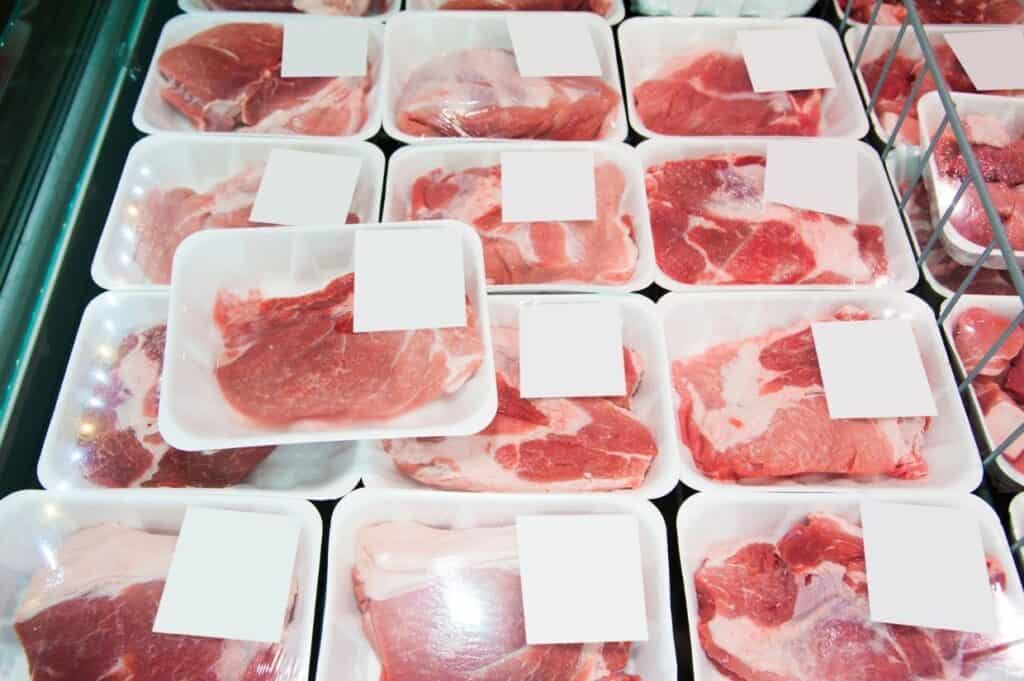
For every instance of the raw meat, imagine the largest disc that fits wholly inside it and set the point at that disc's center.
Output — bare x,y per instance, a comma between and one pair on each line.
352,8
121,445
797,610
479,93
712,226
999,385
291,359
89,617
755,409
1001,161
941,11
583,444
711,94
416,584
591,252
228,78
163,218
602,7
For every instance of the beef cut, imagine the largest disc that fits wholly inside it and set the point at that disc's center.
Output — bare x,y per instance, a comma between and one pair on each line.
602,251
89,617
712,226
228,78
415,585
121,445
602,7
797,610
479,93
755,409
711,94
165,217
291,359
550,445
351,8
941,11
999,385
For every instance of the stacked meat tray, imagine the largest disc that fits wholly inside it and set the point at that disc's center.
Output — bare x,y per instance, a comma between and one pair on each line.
229,364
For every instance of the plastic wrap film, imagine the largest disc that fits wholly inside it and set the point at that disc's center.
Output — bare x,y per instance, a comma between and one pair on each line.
769,9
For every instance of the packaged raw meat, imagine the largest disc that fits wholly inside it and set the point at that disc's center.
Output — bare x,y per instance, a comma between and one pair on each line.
995,131
104,433
712,227
783,594
82,575
463,182
751,405
613,11
687,77
454,75
904,71
173,186
997,393
553,445
405,566
938,11
222,73
1017,520
261,349
770,9
345,8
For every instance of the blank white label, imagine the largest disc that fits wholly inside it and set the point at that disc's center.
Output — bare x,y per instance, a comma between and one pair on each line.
547,185
926,568
230,576
576,590
571,350
992,59
783,59
819,175
305,188
408,278
553,45
872,369
324,48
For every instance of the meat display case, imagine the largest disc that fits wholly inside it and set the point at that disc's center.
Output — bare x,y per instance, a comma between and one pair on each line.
70,75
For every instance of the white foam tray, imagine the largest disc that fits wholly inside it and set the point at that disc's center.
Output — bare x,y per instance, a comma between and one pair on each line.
346,653
410,163
708,522
875,203
199,161
35,523
153,115
414,38
747,8
641,331
616,13
694,323
198,6
311,471
291,261
1009,111
648,43
1009,307
1017,521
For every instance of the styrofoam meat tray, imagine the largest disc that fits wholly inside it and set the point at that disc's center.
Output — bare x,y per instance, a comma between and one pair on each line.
616,10
648,43
153,115
410,163
875,203
694,323
199,162
311,471
641,331
737,8
393,7
345,651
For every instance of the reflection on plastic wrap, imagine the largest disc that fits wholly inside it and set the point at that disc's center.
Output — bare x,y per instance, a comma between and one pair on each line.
939,11
349,8
11,51
447,604
747,8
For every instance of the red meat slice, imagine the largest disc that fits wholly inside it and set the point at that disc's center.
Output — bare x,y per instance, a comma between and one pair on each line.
229,77
121,444
89,617
942,11
712,95
415,615
582,444
479,93
602,7
711,226
797,610
332,373
595,252
1003,415
352,8
779,426
977,330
